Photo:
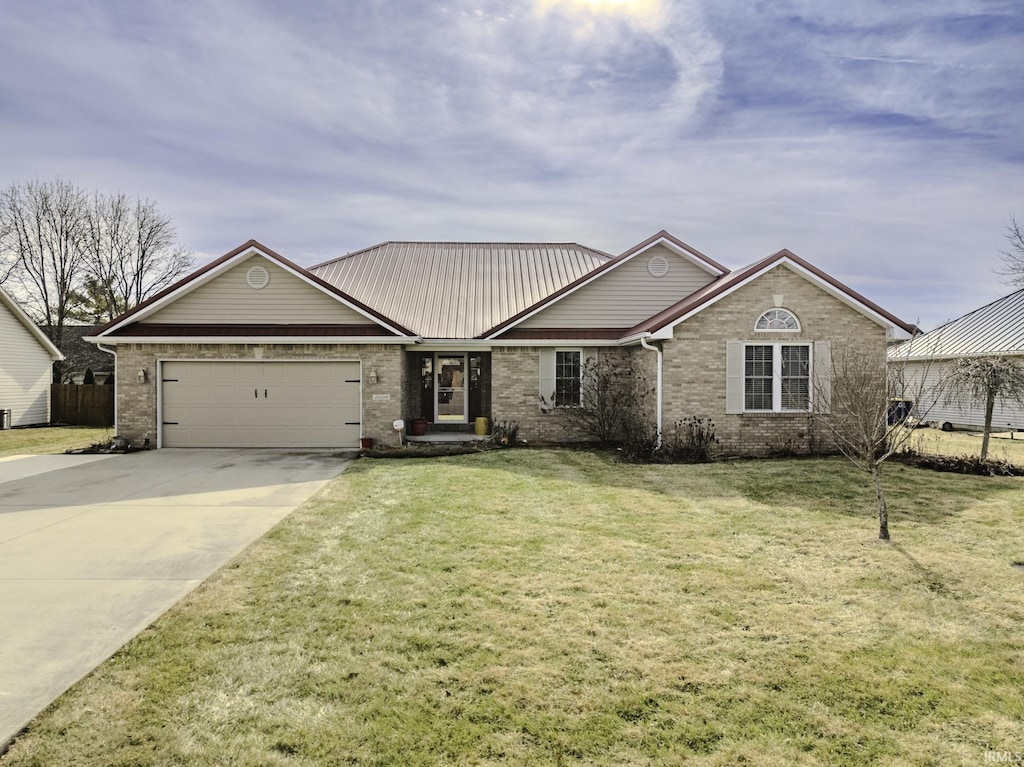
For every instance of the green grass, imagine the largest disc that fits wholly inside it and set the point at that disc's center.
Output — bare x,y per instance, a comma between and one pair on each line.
50,440
1003,446
554,607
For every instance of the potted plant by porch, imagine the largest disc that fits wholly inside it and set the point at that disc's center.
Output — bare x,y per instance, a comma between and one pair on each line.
417,426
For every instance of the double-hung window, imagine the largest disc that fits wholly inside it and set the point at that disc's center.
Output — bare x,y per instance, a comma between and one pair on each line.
777,377
568,376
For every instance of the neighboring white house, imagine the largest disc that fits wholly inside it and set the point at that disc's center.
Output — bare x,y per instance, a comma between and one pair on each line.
996,329
26,366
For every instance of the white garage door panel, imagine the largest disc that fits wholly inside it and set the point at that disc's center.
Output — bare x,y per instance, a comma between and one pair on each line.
260,404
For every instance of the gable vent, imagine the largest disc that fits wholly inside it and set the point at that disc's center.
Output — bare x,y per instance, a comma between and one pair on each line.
257,277
657,266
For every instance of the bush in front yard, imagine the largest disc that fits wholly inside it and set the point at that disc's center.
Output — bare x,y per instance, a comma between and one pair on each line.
691,440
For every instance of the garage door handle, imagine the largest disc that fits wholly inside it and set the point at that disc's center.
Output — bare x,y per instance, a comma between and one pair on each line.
170,423
264,394
352,423
256,393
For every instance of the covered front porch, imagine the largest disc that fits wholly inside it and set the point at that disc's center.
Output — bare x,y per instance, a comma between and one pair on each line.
446,393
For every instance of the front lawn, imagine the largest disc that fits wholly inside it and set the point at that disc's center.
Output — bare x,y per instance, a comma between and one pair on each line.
50,440
555,607
1003,446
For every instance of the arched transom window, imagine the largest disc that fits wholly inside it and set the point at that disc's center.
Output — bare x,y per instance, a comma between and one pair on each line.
777,319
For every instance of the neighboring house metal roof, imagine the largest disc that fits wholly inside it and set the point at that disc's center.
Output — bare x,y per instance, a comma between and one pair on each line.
458,289
996,328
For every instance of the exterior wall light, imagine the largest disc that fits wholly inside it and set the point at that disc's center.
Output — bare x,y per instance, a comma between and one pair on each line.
142,376
372,378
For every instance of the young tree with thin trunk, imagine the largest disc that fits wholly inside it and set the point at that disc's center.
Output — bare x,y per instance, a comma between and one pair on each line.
855,408
988,379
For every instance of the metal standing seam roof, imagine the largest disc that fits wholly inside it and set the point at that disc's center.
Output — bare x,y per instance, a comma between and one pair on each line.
457,289
996,328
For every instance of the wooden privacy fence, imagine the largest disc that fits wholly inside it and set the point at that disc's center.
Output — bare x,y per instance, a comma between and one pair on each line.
82,404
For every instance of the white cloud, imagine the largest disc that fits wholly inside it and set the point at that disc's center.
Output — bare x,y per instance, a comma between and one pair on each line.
879,141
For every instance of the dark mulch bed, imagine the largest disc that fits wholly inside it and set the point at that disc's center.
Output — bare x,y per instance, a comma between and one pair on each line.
426,450
960,464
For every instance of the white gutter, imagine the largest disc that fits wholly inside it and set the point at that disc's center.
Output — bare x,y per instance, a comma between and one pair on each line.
661,359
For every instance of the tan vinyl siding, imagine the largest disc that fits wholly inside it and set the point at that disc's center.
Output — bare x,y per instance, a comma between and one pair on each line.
25,373
625,295
228,299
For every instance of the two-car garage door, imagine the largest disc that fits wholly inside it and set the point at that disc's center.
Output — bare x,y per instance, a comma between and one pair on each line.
260,404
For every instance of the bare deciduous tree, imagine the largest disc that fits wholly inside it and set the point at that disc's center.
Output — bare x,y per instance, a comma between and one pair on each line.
43,226
132,252
985,379
859,414
1013,254
66,255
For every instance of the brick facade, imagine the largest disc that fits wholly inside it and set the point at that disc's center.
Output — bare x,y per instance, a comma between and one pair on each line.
136,400
694,372
695,359
516,395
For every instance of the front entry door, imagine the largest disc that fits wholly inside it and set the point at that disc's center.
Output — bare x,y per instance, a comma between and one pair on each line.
450,389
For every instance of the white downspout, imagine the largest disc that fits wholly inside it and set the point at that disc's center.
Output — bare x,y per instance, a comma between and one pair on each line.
113,353
656,350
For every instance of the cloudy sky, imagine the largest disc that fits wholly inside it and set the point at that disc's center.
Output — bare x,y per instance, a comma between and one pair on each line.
882,141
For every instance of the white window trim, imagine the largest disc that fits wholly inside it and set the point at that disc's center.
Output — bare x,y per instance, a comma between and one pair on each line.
777,377
777,330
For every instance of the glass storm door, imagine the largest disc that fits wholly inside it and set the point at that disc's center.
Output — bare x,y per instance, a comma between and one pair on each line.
450,388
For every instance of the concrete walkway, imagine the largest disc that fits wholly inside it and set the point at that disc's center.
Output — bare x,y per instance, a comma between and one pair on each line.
94,548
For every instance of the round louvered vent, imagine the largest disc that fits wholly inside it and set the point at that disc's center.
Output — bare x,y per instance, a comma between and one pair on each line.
657,266
257,277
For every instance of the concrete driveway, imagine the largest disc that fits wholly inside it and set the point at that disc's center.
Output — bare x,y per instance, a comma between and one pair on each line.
94,548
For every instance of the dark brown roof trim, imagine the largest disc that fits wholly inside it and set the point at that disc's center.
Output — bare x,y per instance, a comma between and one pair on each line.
569,334
141,330
714,289
662,235
252,244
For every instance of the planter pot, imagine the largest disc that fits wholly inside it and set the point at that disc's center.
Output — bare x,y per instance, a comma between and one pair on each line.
480,426
418,427
366,443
